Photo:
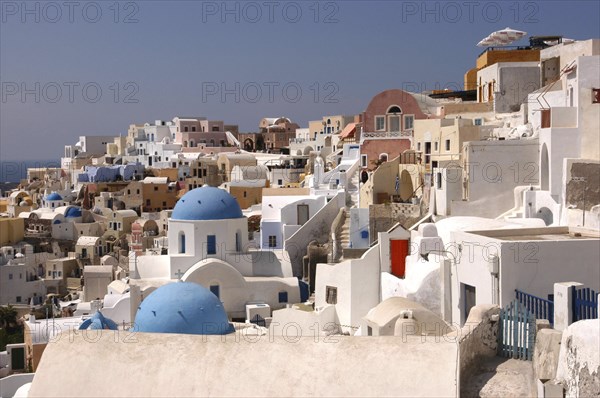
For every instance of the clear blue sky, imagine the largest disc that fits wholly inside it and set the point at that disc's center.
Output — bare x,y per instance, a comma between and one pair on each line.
173,54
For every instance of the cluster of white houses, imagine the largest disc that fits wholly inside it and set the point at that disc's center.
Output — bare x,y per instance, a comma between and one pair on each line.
425,204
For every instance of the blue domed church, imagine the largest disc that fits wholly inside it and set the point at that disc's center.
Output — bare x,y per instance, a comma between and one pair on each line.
206,223
184,308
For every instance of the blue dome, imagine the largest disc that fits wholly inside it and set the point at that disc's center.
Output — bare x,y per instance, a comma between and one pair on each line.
54,196
73,212
184,308
206,203
98,322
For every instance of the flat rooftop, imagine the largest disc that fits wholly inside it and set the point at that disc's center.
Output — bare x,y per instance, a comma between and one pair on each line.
541,234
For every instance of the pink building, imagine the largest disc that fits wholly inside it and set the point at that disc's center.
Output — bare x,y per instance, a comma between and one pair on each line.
388,123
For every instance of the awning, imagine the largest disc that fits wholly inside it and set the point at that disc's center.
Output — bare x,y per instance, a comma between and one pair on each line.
348,131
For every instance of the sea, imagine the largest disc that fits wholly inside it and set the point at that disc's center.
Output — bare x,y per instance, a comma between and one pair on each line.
12,172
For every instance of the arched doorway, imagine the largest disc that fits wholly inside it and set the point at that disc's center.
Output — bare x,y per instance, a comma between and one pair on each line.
248,144
545,214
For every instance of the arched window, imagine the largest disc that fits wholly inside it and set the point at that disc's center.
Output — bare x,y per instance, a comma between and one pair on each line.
394,109
383,157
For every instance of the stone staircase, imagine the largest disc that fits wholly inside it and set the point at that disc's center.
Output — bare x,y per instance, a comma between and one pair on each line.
345,232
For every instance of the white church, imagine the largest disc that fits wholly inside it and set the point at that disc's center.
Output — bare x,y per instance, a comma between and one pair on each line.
208,245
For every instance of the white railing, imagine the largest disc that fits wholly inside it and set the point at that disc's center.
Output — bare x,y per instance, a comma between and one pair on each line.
386,134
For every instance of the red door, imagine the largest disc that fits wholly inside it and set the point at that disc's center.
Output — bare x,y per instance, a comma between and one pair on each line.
398,253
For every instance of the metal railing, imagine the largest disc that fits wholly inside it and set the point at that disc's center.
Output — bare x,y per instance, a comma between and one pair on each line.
540,307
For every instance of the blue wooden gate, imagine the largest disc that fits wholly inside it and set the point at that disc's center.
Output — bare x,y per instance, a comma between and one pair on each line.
516,332
585,304
541,308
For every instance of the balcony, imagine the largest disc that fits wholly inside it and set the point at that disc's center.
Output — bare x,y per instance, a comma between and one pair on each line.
386,134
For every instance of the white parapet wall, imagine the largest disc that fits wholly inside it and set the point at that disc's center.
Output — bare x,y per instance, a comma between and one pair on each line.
152,364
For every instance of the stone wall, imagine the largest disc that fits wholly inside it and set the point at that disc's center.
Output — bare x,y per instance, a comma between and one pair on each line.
383,217
478,339
579,360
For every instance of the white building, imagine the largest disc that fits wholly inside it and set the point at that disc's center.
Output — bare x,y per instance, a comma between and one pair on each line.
283,215
566,112
19,281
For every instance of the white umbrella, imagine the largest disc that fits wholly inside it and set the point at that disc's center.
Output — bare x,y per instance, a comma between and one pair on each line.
488,41
502,37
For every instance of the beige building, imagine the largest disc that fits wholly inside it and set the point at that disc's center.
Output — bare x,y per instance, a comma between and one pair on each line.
227,161
439,141
203,171
119,222
91,248
57,271
158,193
395,181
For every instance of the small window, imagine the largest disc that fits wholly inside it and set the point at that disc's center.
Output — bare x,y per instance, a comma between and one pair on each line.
418,146
272,241
331,295
215,290
409,122
439,180
283,297
280,182
9,276
478,121
245,194
182,243
447,145
155,188
379,123
435,146
363,160
18,299
211,244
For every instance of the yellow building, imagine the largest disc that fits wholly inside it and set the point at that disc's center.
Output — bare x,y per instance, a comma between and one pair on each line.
12,230
494,56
